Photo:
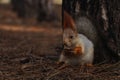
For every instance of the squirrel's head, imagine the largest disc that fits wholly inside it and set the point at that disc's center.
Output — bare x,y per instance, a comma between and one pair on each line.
69,32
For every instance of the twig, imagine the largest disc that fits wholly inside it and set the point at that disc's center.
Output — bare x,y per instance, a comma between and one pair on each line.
56,72
108,67
101,63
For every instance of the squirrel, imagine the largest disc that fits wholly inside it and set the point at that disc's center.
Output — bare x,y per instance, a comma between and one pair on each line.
78,39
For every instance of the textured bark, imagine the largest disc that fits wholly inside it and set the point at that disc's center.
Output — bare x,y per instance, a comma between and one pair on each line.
108,17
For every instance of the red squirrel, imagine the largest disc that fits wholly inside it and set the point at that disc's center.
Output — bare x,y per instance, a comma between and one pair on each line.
78,49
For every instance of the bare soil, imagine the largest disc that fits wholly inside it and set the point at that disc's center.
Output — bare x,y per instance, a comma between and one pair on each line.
30,50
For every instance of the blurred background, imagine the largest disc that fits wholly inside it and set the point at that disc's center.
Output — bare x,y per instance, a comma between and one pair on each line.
34,10
30,31
30,23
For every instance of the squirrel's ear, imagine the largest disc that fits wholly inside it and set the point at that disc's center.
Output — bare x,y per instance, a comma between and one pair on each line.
68,21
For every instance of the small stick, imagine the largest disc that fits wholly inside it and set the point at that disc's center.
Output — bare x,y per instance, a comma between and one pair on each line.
59,70
108,67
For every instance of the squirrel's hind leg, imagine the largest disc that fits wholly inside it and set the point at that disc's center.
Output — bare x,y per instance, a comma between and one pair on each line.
88,67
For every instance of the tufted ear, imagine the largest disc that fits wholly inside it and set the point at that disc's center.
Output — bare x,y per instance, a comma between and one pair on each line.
68,22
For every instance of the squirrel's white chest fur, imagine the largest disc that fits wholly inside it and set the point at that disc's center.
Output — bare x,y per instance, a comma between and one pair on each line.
87,50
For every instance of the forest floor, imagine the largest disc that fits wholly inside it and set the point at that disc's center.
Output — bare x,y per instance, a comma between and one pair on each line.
29,51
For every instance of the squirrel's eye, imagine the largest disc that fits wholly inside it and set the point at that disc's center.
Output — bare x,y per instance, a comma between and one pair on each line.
70,37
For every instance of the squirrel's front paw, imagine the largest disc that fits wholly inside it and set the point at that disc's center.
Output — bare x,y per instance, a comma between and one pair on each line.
78,50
